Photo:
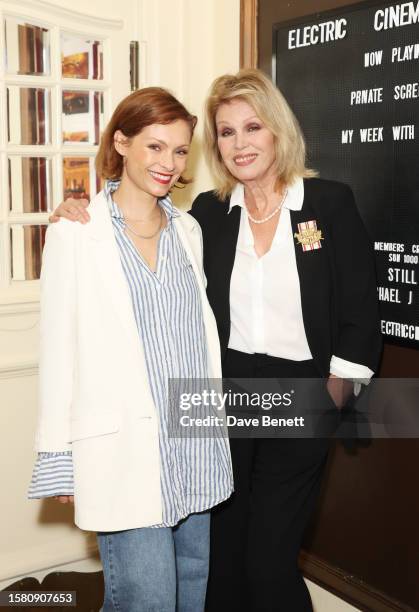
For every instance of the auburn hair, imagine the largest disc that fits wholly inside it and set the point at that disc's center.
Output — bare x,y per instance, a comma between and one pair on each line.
140,109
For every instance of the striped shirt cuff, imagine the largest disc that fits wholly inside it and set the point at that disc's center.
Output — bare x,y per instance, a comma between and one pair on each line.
52,475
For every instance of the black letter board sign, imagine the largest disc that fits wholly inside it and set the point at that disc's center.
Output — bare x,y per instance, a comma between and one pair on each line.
352,78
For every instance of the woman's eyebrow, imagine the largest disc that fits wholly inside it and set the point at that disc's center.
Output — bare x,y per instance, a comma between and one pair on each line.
244,120
165,143
158,140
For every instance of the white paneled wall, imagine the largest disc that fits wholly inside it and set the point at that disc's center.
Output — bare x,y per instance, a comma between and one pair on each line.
188,44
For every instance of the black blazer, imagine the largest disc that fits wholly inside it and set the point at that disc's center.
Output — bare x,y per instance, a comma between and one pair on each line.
337,281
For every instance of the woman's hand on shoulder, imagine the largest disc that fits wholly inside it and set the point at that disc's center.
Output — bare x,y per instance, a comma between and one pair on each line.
73,210
65,499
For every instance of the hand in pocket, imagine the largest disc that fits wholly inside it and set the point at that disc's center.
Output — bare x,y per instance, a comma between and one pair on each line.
340,390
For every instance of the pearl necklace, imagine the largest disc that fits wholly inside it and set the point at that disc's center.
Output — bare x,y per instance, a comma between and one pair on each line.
265,219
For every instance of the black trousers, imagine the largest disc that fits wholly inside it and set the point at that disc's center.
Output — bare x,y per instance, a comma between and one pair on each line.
256,535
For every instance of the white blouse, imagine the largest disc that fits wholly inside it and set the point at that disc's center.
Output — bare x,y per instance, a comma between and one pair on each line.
265,298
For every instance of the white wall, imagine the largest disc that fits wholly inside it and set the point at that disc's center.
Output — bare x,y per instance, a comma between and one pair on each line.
189,43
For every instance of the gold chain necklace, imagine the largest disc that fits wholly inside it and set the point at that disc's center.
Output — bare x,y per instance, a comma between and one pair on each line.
146,237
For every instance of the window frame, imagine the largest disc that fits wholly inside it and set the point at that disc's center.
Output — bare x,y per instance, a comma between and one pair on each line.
21,294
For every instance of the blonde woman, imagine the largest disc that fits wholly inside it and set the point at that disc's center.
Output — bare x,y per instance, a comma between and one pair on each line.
283,310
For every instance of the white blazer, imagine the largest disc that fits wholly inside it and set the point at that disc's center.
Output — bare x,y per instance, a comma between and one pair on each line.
95,399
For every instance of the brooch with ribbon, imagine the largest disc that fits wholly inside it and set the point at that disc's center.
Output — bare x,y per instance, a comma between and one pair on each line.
309,236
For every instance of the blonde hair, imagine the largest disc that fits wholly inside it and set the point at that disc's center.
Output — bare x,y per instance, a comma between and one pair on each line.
256,89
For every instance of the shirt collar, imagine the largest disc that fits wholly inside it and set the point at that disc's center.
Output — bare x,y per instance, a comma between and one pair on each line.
293,201
113,184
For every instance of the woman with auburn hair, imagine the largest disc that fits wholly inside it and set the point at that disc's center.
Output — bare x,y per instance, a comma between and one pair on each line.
294,297
123,310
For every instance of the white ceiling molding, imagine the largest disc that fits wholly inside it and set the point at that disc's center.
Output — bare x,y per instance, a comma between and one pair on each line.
52,9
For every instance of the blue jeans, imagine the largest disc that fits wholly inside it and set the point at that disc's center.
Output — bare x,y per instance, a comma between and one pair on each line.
157,569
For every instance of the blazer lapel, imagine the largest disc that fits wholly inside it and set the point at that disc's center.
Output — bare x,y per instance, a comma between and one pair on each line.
227,242
219,255
105,250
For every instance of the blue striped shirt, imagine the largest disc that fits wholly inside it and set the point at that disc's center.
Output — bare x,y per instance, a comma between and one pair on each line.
195,472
